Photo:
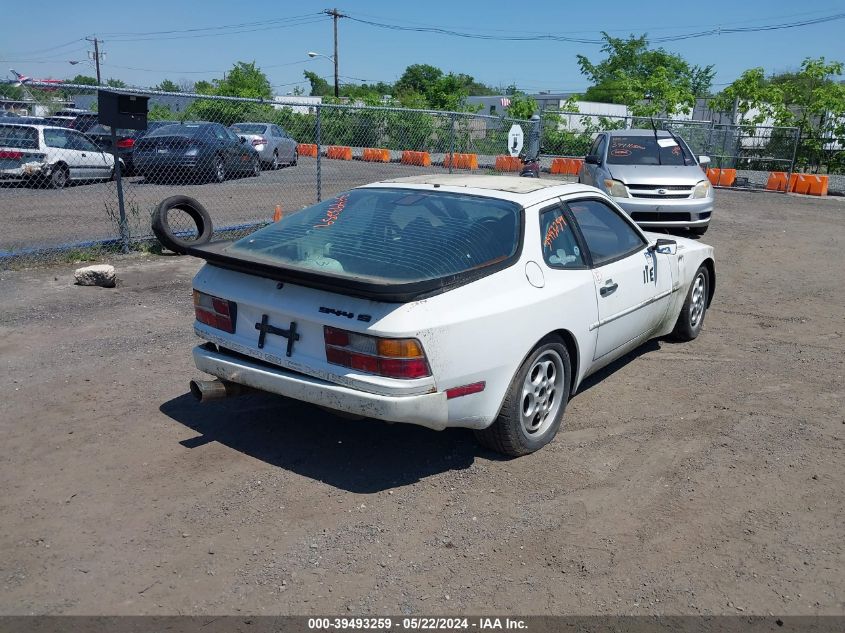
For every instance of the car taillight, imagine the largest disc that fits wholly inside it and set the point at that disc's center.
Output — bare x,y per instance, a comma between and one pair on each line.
389,357
216,312
259,141
11,155
126,142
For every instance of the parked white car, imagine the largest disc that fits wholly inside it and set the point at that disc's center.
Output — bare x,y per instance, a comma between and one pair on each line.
49,154
275,147
445,301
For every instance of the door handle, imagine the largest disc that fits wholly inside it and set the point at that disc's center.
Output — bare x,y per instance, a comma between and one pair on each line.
609,288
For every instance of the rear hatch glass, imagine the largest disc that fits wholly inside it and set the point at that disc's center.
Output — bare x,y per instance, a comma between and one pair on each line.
389,235
18,136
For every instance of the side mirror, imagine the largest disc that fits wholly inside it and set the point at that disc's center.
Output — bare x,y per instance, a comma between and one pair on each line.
703,160
242,140
592,159
665,247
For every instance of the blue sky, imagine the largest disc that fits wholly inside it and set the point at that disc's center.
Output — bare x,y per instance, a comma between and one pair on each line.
42,46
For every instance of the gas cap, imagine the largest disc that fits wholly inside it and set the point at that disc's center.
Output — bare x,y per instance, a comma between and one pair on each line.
534,274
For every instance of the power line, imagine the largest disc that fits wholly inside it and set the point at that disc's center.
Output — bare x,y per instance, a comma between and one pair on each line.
583,40
200,72
628,29
214,28
313,20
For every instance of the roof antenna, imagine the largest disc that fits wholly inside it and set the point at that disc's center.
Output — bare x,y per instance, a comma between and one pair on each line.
654,127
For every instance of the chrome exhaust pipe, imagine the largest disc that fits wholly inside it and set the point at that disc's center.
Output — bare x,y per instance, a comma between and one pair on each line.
207,390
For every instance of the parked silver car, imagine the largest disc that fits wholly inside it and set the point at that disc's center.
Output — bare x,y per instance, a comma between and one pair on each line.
274,146
653,176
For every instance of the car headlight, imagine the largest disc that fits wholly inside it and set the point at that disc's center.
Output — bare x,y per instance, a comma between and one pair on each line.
615,188
703,190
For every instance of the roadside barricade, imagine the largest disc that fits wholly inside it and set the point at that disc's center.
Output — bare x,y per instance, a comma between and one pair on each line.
777,181
420,159
339,152
461,161
376,155
508,163
307,149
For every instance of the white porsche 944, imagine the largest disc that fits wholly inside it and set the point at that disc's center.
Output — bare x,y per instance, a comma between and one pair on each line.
445,301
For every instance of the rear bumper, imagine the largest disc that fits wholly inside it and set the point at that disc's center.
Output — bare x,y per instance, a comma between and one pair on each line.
430,410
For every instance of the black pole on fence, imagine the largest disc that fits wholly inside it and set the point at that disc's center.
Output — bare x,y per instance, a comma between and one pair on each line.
796,138
451,141
319,152
123,227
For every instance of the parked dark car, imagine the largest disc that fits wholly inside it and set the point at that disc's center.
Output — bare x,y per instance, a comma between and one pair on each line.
126,139
79,120
196,149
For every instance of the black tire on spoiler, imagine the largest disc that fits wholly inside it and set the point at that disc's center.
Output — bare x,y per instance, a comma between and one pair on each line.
164,232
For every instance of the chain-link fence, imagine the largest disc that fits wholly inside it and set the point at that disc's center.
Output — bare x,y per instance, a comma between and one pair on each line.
244,160
753,151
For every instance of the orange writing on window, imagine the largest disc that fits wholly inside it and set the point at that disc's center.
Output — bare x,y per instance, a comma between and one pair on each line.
554,230
333,212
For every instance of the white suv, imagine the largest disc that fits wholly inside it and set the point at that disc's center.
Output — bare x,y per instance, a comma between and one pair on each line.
52,155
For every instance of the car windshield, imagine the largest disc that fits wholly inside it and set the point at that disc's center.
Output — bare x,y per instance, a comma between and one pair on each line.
390,235
18,136
249,128
643,150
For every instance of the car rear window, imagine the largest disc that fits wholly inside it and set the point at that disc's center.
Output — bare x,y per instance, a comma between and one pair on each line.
249,128
390,235
643,150
18,136
176,129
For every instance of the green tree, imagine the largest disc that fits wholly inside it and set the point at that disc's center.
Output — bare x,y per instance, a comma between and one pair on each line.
756,99
115,83
649,81
319,86
83,80
168,86
522,106
245,80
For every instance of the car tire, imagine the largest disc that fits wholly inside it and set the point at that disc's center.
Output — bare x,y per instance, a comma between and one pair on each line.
274,165
699,230
218,169
255,170
691,318
198,213
295,157
536,399
59,177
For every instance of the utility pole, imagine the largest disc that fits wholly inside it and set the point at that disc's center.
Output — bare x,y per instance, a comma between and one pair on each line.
96,56
334,13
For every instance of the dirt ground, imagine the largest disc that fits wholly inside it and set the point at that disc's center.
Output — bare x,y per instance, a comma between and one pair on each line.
698,478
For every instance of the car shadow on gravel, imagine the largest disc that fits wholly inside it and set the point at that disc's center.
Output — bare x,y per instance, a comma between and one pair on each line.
363,456
592,380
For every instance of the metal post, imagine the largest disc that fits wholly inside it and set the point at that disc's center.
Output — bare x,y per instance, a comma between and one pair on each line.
796,139
319,153
451,141
123,227
534,138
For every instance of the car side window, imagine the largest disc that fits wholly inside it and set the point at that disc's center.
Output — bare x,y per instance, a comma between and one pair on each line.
594,148
232,136
607,234
79,142
602,139
277,132
560,247
57,138
220,132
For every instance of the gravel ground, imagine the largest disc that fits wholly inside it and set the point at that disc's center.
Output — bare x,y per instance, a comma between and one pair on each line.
699,478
